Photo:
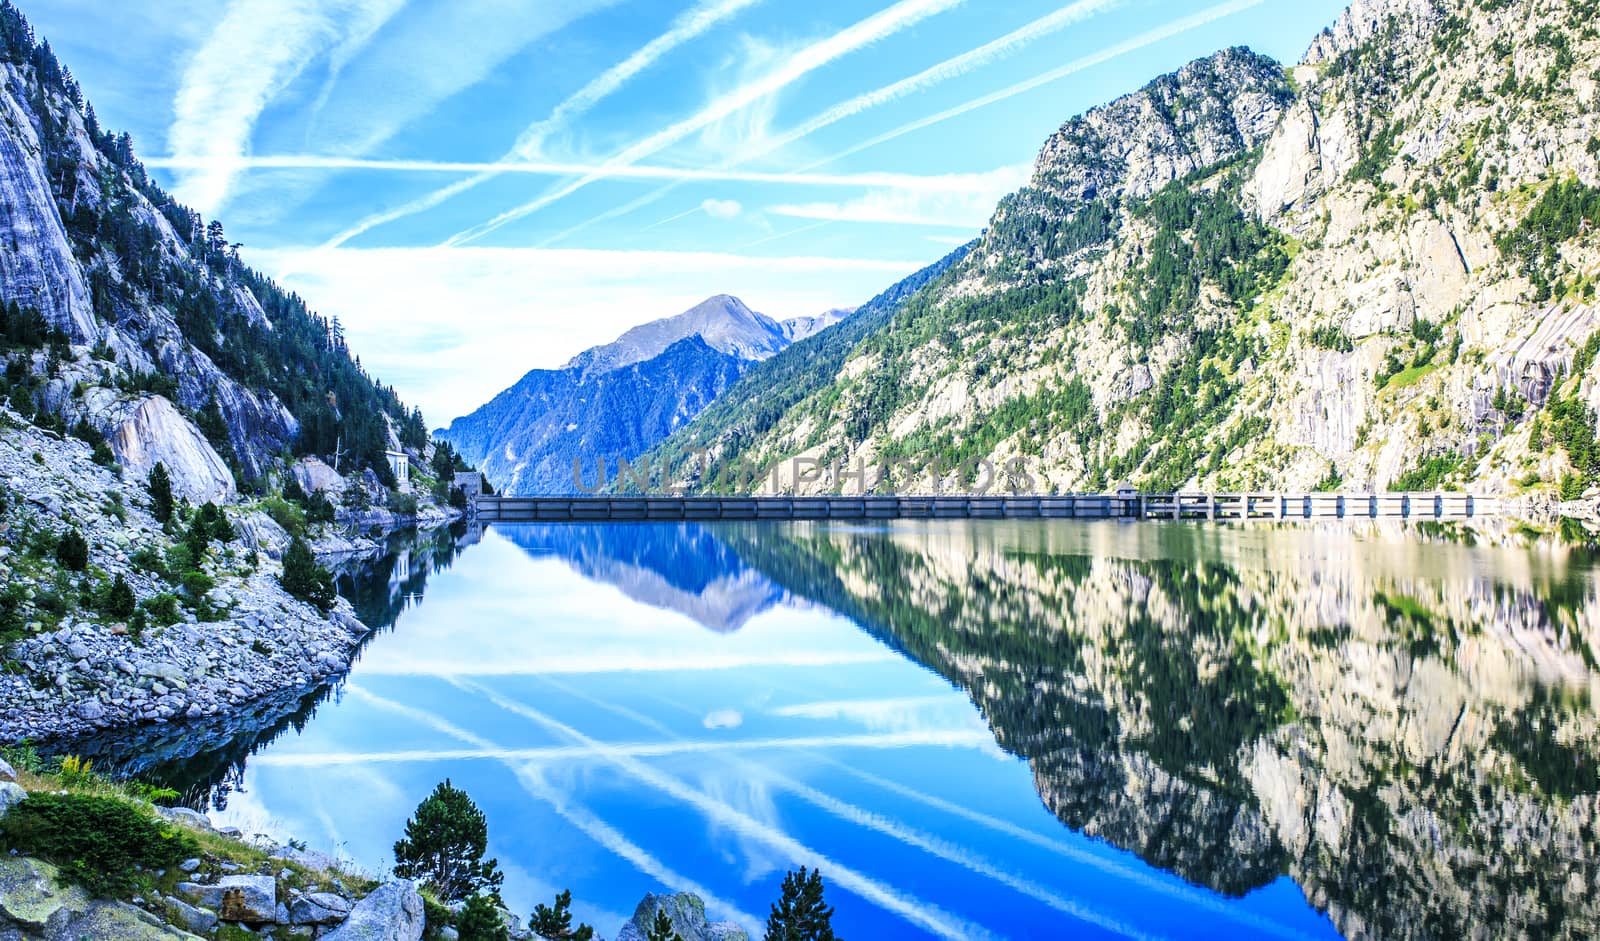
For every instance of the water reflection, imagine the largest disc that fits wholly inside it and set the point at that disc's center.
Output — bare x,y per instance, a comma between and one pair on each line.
1394,727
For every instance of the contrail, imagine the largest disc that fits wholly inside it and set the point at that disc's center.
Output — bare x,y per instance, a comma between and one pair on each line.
950,68
691,24
930,183
1148,38
873,29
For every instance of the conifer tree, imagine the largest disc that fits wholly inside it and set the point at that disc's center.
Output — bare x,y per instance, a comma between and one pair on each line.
801,914
444,845
555,924
160,493
480,920
304,579
661,928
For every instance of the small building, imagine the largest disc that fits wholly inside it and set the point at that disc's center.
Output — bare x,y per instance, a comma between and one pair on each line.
471,484
400,466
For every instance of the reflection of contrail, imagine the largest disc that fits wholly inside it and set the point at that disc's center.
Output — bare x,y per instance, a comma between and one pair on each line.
912,837
1108,866
975,738
596,829
912,909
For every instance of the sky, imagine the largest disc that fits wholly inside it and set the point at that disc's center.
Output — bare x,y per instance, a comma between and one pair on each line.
476,188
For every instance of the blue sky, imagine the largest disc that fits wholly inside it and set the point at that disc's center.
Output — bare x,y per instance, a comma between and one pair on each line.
480,187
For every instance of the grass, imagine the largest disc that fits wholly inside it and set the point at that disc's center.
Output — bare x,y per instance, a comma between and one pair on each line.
1410,376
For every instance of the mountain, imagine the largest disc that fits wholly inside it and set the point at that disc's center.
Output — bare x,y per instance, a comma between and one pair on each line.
129,319
1373,270
618,400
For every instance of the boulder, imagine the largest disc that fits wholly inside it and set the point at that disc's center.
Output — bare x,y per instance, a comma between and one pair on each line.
11,795
145,431
197,920
316,477
688,914
393,912
7,773
31,895
248,899
193,819
319,908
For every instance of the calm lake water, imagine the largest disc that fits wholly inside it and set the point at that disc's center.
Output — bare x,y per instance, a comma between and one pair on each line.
975,729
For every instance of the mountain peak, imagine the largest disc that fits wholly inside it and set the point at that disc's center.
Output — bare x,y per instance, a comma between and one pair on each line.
725,322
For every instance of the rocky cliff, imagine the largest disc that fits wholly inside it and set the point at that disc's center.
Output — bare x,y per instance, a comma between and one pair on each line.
151,329
1374,269
618,400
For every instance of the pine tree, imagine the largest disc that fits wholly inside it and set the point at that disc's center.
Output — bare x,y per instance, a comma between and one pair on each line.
304,579
444,845
73,551
480,920
120,602
661,929
160,493
555,924
801,914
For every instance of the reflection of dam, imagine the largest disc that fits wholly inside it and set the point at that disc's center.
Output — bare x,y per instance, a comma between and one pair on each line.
1124,504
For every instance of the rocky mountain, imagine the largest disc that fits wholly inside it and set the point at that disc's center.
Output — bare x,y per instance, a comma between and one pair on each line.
128,318
1375,269
618,400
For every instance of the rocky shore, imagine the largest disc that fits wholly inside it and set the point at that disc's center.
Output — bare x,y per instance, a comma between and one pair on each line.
70,670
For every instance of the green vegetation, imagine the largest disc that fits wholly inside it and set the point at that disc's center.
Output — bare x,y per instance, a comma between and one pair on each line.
444,845
72,552
556,922
801,914
1567,209
304,579
160,486
100,842
661,928
480,920
1432,473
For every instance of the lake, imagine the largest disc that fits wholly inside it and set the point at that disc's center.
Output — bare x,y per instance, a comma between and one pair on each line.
975,729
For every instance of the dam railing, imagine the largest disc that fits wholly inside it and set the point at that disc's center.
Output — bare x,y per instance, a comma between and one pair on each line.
1217,507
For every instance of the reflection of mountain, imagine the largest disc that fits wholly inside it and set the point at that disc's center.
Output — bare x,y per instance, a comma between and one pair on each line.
681,568
1364,715
204,759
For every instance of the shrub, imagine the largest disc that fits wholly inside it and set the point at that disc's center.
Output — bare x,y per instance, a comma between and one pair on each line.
120,602
163,609
73,551
444,845
285,514
480,920
102,843
304,579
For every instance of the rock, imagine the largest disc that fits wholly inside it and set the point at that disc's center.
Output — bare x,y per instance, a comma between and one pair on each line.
316,477
193,819
197,920
688,914
252,900
89,710
11,795
7,773
145,432
393,912
189,865
31,896
319,908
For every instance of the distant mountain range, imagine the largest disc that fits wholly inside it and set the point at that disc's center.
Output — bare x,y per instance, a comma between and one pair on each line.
619,399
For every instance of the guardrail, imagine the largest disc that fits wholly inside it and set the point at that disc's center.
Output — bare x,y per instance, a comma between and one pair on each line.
1218,507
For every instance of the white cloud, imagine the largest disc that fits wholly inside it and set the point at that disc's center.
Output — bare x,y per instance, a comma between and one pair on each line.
970,209
723,719
722,208
257,49
871,30
1147,38
452,327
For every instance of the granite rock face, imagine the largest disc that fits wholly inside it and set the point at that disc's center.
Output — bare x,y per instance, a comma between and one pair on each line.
688,914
